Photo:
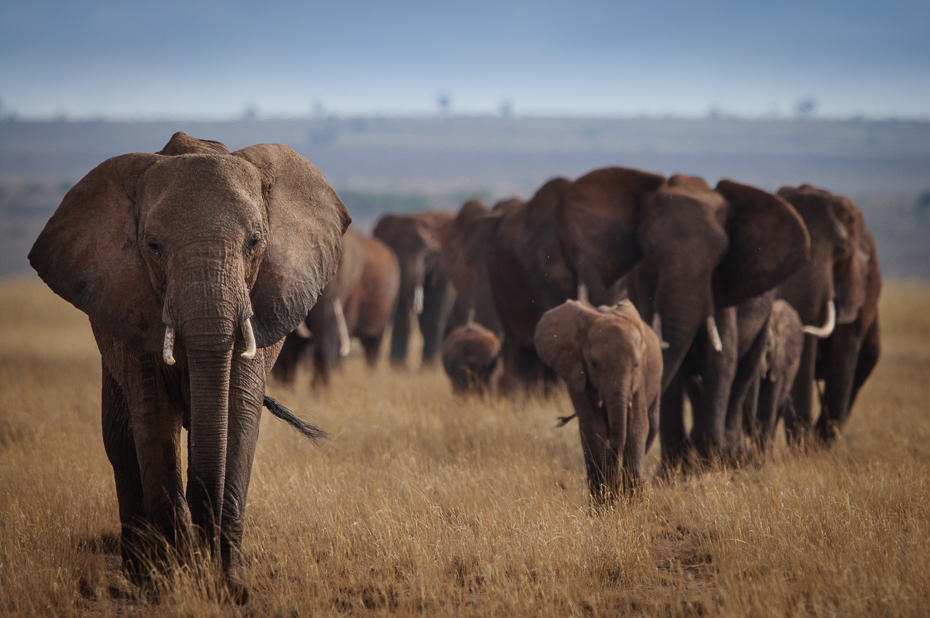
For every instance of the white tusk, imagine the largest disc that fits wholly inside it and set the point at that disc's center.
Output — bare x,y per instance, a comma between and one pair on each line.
471,316
302,331
583,295
827,329
657,327
168,350
345,344
418,300
714,335
249,337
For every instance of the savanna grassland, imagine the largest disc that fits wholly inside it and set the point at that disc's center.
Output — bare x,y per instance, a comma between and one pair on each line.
421,503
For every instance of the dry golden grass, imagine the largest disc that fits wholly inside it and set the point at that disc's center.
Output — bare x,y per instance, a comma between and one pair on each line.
421,503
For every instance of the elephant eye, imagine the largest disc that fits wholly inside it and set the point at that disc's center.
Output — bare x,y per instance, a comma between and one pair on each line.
154,247
254,240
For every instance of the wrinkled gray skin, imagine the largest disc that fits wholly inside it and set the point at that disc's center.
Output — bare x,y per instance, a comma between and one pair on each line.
611,362
201,243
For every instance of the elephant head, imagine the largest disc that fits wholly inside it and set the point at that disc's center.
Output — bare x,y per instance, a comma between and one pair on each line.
612,364
831,288
424,286
198,253
471,358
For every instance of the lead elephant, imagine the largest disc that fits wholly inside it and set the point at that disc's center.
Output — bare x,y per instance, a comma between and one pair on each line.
611,362
709,249
836,295
192,265
425,289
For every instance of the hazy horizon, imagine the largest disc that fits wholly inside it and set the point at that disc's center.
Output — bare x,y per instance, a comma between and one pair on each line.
224,60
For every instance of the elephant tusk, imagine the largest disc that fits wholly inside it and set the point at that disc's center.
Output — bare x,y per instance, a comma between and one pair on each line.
168,350
418,299
471,316
583,295
657,328
827,329
249,336
302,331
345,343
714,335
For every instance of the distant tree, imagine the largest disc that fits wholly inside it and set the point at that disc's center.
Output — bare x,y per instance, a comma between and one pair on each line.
506,108
806,107
445,104
923,205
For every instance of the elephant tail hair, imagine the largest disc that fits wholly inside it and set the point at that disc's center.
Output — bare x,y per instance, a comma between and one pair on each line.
563,420
308,430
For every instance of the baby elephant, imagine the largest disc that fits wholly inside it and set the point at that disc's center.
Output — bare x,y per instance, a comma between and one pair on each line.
612,363
784,341
471,358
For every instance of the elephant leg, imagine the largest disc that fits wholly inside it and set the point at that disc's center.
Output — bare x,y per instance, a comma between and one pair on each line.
673,437
742,395
767,416
838,381
294,347
372,347
799,418
157,419
438,299
247,383
869,353
600,460
322,324
121,451
710,411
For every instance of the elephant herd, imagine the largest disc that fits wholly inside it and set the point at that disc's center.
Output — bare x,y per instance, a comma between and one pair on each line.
199,268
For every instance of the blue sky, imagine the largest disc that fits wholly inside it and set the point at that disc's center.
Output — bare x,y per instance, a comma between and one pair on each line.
212,59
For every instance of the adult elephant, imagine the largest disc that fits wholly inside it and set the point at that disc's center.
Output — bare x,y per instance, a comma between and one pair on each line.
192,265
358,302
709,248
465,243
836,295
425,289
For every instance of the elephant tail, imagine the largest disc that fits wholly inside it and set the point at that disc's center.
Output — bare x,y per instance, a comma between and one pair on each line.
308,430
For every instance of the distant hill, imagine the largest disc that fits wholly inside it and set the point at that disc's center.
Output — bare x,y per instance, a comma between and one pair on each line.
412,163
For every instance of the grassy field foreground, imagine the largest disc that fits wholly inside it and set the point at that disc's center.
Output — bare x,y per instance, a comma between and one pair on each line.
421,503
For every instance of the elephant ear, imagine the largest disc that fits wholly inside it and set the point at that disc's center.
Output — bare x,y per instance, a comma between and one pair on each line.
88,253
598,219
560,335
181,144
306,222
768,243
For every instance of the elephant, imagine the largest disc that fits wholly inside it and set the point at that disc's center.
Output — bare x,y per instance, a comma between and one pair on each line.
425,288
611,362
781,358
192,264
464,255
471,358
836,295
708,248
358,302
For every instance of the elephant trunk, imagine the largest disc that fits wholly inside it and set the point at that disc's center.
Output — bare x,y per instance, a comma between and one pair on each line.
683,312
208,320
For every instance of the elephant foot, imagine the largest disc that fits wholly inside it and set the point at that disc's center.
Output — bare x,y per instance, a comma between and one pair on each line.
237,586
